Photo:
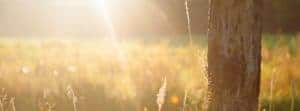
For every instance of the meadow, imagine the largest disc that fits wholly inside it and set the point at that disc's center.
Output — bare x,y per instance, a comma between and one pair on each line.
97,75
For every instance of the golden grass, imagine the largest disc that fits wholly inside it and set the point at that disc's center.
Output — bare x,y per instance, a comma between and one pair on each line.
104,79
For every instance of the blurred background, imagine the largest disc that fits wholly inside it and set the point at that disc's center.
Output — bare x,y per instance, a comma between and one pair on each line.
130,17
90,55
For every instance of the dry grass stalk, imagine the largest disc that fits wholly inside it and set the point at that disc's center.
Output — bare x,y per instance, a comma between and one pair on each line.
72,96
293,94
185,98
187,11
12,103
162,94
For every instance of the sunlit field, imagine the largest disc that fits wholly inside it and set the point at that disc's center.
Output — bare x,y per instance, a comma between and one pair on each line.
93,75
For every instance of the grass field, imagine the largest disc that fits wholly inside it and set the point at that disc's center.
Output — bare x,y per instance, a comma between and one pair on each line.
97,75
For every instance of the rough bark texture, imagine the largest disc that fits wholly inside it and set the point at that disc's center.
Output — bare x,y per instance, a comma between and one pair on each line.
234,54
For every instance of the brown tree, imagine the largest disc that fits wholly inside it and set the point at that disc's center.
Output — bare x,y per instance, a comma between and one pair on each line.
234,54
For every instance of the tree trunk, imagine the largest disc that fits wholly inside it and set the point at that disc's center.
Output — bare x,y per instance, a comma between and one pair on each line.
234,54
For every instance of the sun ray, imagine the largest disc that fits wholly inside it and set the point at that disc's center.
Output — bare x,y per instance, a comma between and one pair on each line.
113,37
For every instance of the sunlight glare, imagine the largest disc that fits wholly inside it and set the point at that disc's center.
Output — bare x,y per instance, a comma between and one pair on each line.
112,35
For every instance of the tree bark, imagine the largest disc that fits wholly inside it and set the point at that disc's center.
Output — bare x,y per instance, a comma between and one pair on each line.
234,54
